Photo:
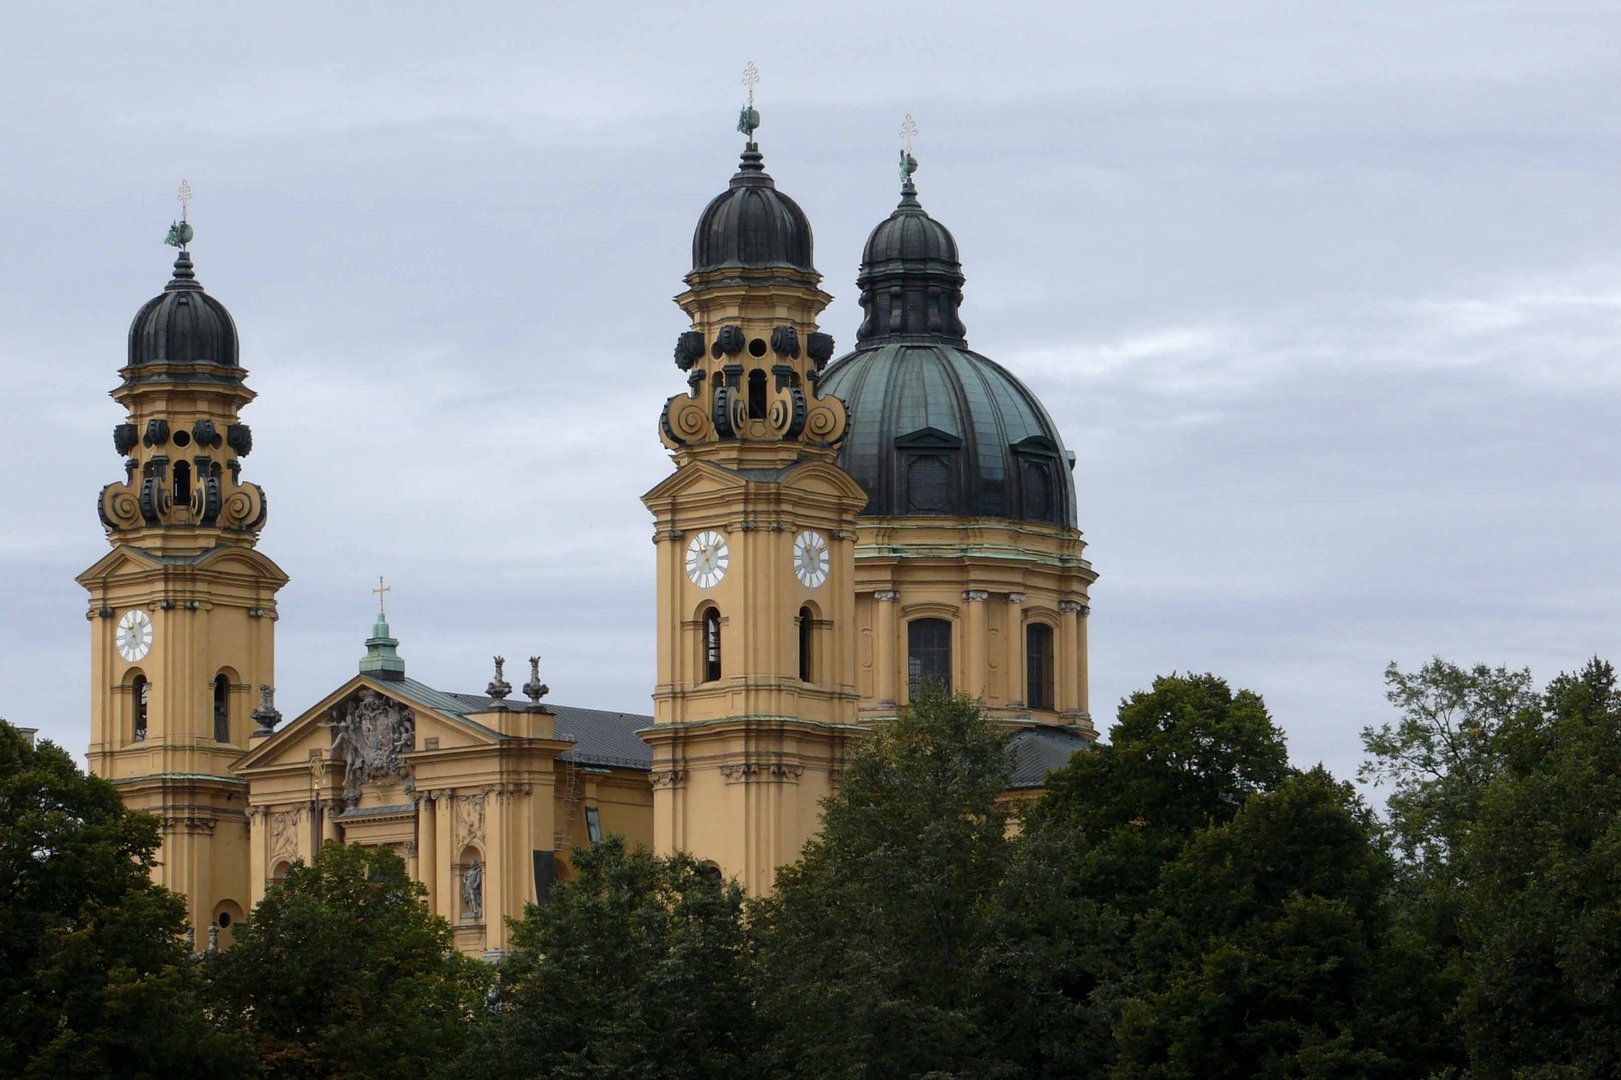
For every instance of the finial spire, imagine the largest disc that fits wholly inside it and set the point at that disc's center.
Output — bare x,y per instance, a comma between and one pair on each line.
908,162
499,688
380,590
748,120
534,689
180,232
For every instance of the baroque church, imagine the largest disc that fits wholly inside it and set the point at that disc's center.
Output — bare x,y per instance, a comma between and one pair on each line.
834,531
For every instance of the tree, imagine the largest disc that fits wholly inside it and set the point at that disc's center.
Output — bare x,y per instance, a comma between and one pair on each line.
1262,954
95,979
1183,755
1541,870
341,971
635,968
1444,750
880,952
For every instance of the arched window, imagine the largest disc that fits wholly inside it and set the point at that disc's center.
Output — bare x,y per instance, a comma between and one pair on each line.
928,653
1038,491
711,645
140,692
807,644
757,395
222,708
1038,661
182,483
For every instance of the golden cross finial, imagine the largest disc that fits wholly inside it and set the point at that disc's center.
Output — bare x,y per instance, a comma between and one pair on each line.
751,75
380,590
183,196
908,131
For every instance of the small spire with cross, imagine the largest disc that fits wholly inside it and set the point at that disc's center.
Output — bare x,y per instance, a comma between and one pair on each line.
748,120
180,232
908,162
380,590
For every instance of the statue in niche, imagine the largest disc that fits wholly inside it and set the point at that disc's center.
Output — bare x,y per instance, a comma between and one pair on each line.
473,892
369,733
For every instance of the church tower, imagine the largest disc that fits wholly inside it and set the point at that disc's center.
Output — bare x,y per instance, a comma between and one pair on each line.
182,610
756,694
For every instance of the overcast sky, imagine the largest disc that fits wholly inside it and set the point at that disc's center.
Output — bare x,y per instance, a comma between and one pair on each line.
1326,298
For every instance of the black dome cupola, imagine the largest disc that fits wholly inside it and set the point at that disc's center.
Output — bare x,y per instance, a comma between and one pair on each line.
911,280
184,325
752,225
936,429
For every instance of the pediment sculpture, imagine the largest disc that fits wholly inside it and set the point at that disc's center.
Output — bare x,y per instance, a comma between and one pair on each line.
370,732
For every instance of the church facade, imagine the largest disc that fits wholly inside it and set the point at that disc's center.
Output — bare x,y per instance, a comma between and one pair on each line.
834,532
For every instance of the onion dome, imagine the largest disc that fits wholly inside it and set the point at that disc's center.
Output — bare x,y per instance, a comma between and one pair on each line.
184,325
937,430
752,225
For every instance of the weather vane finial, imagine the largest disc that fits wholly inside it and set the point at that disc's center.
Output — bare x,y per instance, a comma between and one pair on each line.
908,162
180,232
380,590
748,121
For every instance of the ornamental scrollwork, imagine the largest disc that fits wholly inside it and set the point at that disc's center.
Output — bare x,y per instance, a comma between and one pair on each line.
369,733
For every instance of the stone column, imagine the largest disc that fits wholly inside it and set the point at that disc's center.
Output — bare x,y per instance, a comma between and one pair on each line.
976,644
885,600
1084,700
444,827
1069,661
257,870
329,820
1014,660
428,849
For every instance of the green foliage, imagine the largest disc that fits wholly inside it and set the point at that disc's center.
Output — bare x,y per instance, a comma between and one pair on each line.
636,968
1182,755
1443,751
880,953
1259,956
341,972
1542,866
95,980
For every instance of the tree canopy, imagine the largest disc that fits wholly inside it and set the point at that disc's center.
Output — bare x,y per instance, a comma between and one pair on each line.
95,977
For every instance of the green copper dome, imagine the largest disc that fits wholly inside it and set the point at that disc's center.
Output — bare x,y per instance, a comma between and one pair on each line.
936,429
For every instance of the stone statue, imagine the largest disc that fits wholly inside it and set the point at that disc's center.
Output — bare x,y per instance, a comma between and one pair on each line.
499,688
473,892
534,689
213,939
370,733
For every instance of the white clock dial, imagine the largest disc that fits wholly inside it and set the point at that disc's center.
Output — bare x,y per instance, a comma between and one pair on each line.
134,635
707,558
810,558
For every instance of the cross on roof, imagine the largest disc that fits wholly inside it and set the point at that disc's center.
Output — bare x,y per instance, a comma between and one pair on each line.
183,196
908,131
380,590
751,75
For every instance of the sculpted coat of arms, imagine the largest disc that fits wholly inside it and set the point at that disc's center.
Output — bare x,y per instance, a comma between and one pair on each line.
370,732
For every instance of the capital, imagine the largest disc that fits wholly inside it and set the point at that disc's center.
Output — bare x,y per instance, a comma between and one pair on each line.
976,596
886,596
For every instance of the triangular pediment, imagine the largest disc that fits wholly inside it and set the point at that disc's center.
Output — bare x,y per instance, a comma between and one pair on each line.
824,478
698,477
120,560
928,438
363,704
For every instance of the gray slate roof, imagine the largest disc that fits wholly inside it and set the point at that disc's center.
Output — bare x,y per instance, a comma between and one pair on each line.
1039,751
601,737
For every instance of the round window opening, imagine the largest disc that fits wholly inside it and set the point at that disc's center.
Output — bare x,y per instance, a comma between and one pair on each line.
182,438
225,919
757,347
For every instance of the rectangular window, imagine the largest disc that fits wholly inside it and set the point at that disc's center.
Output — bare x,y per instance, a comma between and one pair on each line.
929,653
1038,654
593,825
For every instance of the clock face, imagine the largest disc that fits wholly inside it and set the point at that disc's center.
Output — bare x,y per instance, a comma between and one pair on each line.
134,635
706,559
810,558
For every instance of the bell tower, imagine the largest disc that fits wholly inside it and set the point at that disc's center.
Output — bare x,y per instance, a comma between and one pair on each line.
182,610
756,694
